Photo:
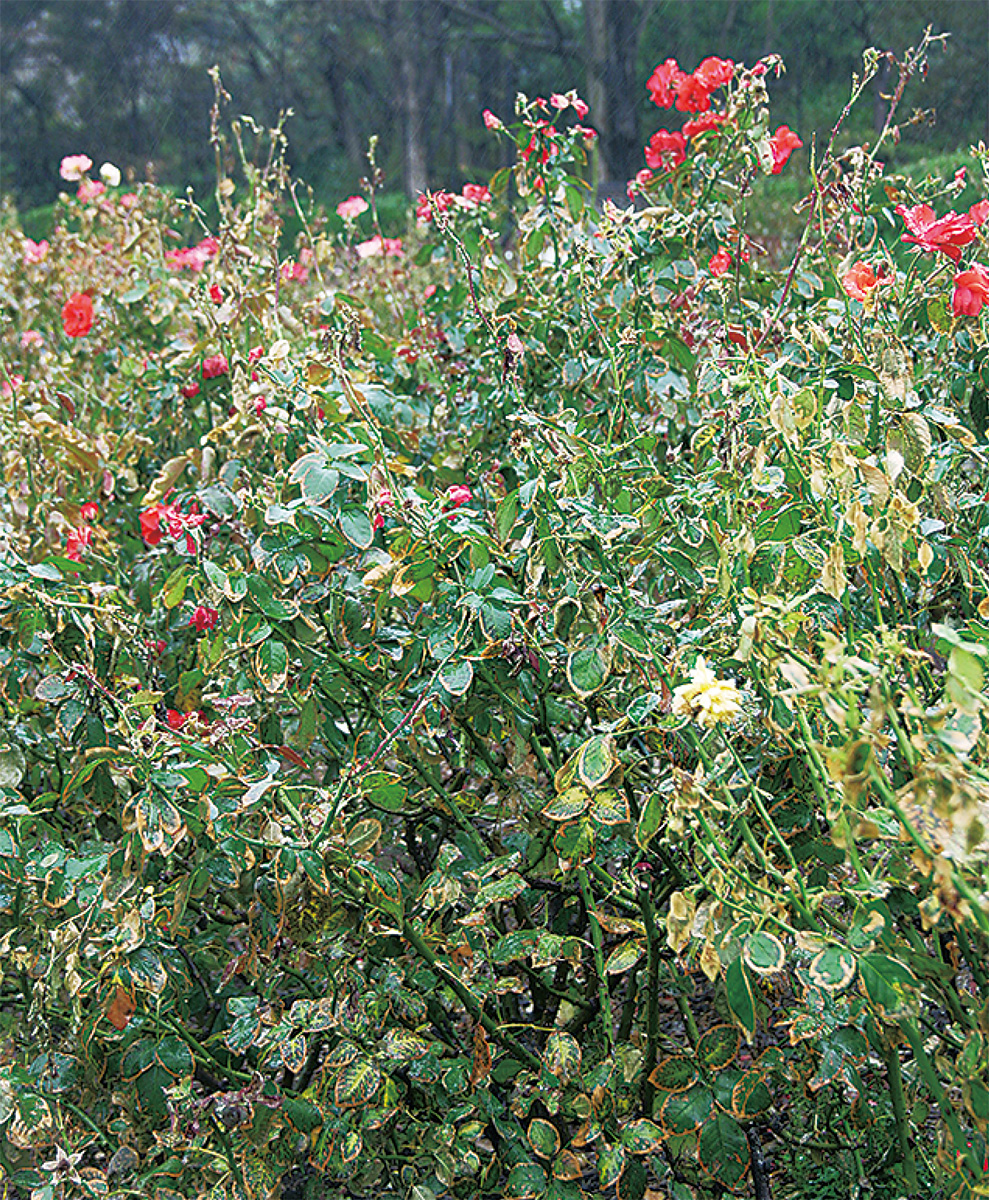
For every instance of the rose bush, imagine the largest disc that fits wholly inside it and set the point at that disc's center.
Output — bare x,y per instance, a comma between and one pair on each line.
499,723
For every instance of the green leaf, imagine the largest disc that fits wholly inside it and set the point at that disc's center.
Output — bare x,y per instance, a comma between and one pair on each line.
543,1137
456,677
651,819
262,595
596,760
642,1137
740,998
611,1164
888,984
271,665
624,956
763,953
723,1150
683,1112
611,807
562,1056
174,1056
525,1182
718,1046
833,969
574,843
588,670
173,592
750,1096
675,1073
355,525
356,1083
506,514
568,805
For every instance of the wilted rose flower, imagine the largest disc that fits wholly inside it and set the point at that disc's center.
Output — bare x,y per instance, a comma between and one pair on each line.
707,699
77,315
74,166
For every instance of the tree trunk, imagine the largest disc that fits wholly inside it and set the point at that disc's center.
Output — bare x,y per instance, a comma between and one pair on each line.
611,45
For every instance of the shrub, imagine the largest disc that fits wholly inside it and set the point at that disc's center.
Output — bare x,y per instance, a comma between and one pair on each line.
490,721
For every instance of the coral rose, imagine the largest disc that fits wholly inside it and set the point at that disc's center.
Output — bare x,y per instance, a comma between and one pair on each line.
77,315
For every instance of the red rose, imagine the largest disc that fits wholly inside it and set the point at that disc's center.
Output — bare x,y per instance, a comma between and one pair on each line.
859,281
971,292
666,150
77,315
720,262
204,618
663,83
715,72
215,366
693,95
782,144
948,234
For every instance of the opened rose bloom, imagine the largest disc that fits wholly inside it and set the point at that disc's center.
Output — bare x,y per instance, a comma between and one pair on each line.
979,212
663,83
971,292
947,234
720,262
666,150
458,494
782,144
707,699
859,281
215,366
74,166
204,618
77,315
352,208
715,72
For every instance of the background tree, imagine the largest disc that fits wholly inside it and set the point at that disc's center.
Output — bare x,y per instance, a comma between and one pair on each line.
125,80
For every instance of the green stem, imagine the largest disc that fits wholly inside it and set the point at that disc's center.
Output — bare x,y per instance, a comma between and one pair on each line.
895,1077
604,995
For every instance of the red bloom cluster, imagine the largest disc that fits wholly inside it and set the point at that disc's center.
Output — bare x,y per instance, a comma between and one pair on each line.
167,518
473,195
193,258
947,234
668,85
